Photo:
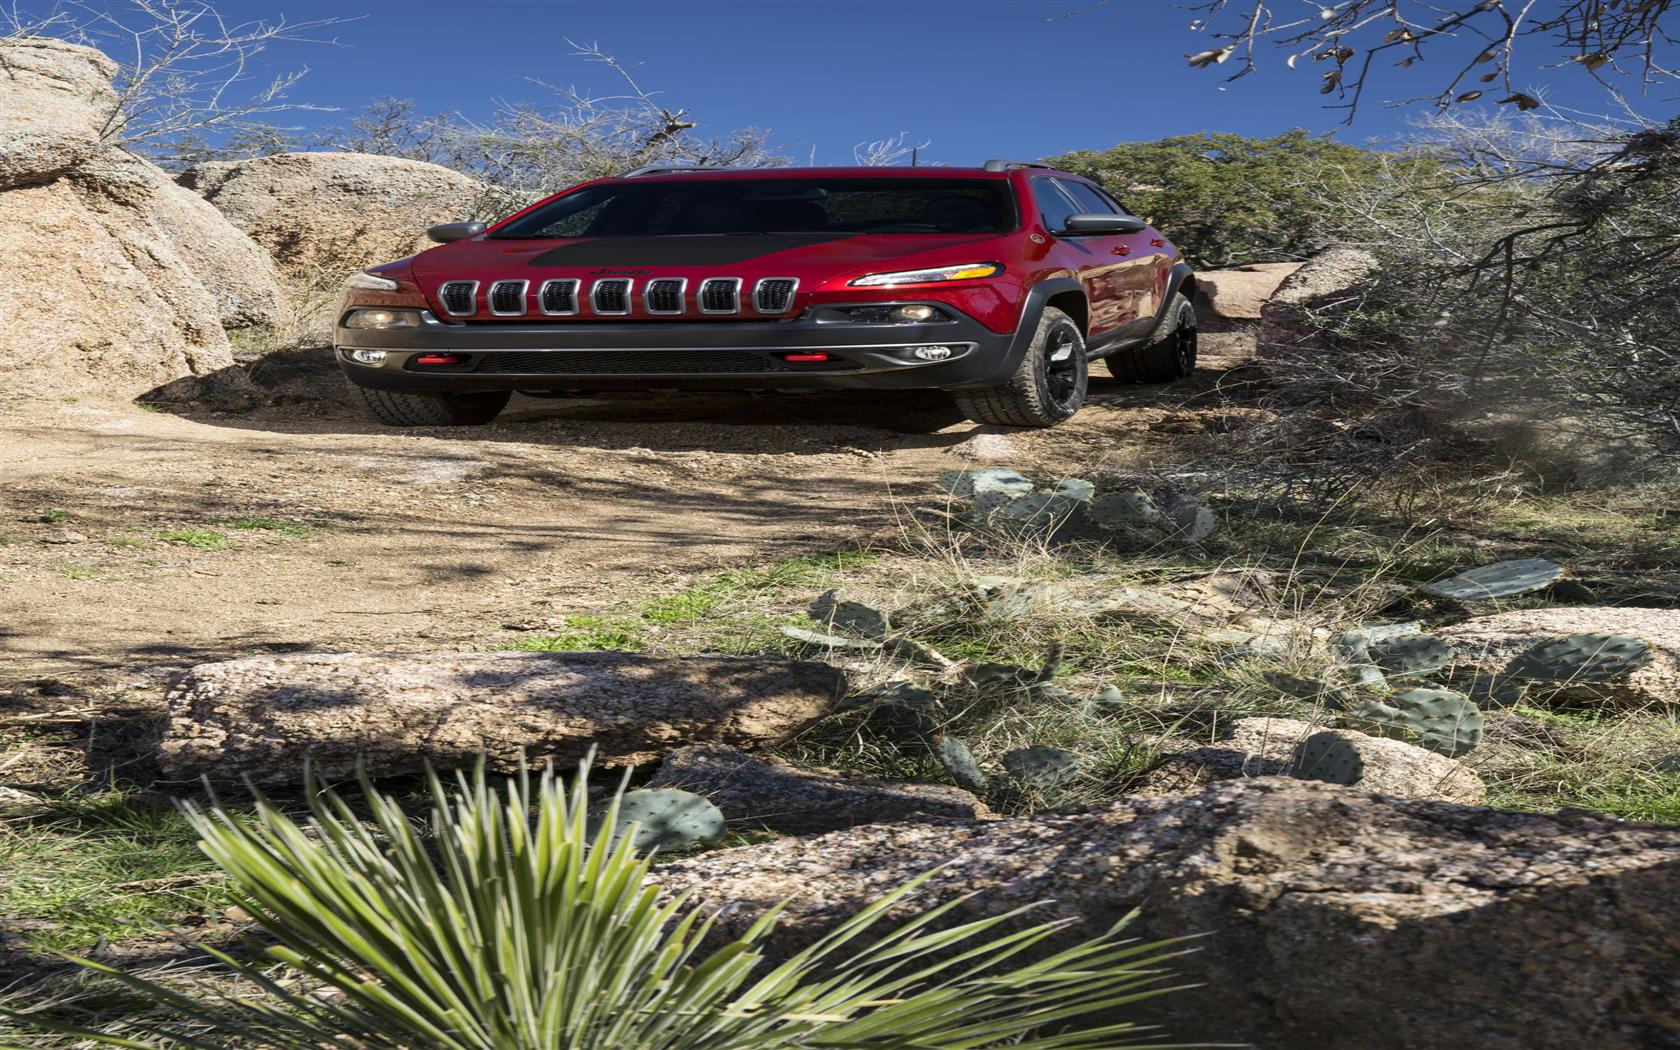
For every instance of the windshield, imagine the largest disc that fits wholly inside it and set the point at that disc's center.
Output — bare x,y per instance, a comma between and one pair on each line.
748,206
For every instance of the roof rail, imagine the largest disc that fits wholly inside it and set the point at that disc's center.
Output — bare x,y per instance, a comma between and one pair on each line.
666,169
1005,165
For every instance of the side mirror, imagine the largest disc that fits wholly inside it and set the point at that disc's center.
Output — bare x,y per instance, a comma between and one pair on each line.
1091,223
443,233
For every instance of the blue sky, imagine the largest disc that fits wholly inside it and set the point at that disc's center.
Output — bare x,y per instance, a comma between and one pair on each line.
978,78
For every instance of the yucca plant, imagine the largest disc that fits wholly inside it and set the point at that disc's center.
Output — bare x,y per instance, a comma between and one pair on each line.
507,928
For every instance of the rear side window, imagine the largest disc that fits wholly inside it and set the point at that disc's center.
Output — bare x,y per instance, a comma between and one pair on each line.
779,205
1089,200
1053,204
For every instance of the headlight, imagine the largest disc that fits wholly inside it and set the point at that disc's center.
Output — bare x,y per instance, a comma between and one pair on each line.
933,275
382,319
370,282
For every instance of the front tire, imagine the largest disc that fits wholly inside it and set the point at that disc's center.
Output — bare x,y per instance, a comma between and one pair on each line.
1048,386
399,408
1169,354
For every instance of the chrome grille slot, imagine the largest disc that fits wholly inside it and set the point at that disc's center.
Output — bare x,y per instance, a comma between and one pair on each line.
664,296
610,297
774,295
720,295
507,298
459,298
558,298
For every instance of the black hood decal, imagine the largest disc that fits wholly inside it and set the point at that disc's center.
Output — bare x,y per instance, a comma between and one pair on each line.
692,250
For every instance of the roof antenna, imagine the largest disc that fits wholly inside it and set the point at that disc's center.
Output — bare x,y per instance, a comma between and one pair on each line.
913,151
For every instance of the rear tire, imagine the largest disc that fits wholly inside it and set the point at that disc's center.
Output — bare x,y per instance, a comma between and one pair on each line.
399,408
1170,353
1048,386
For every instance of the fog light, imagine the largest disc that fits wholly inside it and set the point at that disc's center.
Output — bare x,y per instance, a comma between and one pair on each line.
368,357
914,312
931,353
382,319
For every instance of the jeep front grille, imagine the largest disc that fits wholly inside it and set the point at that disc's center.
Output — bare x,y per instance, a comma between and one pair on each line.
458,297
664,296
720,295
507,298
774,295
610,297
558,298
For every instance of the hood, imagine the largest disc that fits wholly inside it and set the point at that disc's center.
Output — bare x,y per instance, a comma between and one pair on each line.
814,259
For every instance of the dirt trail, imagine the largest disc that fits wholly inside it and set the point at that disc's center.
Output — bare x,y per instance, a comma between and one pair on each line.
439,538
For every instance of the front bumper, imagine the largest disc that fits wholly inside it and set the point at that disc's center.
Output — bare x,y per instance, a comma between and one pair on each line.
700,355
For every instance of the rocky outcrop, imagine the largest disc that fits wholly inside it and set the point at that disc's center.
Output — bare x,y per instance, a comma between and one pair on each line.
119,281
1331,919
1238,294
1262,747
1484,645
770,793
1328,281
336,212
264,716
56,105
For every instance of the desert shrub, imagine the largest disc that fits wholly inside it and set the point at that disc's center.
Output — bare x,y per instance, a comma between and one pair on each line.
1228,198
1522,291
507,927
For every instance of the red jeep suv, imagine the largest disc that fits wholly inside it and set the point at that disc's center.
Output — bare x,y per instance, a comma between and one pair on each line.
999,284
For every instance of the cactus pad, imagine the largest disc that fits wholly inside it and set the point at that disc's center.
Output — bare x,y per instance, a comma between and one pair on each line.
1040,510
829,641
1501,580
955,758
865,621
966,484
1041,768
1125,509
1588,658
1329,757
1442,721
666,818
1411,654
1194,522
1075,489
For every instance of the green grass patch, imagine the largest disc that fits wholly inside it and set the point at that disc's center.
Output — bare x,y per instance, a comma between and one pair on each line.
199,539
586,634
77,570
110,865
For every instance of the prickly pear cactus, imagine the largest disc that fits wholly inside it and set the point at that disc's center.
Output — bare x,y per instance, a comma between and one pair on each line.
996,678
1329,757
1108,696
1410,655
1075,488
1586,658
1496,690
1195,522
955,758
829,641
1041,768
1504,579
966,484
904,719
1331,695
1441,720
856,618
666,818
1132,509
1040,510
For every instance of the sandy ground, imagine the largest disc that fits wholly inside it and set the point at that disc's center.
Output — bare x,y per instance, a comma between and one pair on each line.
443,538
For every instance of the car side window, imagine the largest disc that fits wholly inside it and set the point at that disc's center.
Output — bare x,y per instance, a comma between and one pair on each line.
1089,200
1053,204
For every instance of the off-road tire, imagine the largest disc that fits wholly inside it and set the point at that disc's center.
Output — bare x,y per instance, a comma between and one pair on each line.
1168,355
1042,392
399,408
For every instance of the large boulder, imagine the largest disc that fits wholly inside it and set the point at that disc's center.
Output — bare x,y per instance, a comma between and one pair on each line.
1331,919
329,213
263,717
1263,747
1238,294
1485,645
56,106
101,298
770,793
1330,281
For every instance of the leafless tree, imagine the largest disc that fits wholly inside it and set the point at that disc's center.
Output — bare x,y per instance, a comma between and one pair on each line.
882,153
185,68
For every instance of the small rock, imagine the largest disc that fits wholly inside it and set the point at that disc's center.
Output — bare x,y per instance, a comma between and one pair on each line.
986,447
64,536
1259,747
784,797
